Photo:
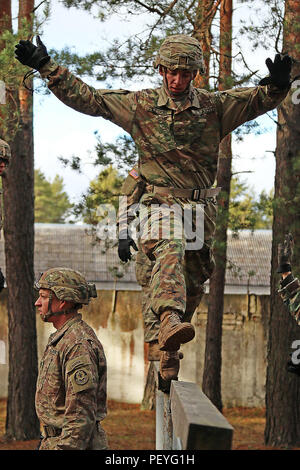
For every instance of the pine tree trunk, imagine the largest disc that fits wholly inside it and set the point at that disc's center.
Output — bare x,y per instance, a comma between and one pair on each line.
18,187
282,387
21,420
211,383
205,13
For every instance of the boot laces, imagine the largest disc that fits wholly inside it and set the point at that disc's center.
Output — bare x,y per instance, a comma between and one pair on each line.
174,319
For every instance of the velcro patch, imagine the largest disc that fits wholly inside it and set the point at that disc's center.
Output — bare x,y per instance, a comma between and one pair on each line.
77,362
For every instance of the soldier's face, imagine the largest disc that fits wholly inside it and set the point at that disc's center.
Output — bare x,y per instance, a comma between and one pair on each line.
42,303
177,80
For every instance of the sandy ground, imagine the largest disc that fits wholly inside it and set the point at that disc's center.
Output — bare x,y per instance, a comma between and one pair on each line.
129,428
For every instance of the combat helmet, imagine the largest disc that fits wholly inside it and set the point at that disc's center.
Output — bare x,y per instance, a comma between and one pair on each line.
5,153
180,51
67,284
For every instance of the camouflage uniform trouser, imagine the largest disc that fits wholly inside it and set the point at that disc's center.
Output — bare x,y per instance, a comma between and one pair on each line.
171,278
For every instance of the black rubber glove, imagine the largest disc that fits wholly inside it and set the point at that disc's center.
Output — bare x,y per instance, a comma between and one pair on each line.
124,248
285,253
2,280
33,56
280,72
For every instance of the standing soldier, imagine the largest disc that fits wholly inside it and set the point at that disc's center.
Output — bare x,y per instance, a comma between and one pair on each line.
71,385
5,155
177,130
289,286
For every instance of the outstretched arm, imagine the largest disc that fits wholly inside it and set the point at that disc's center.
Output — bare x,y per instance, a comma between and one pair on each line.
240,105
117,106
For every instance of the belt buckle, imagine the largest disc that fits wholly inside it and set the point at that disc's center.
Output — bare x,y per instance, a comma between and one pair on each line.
196,195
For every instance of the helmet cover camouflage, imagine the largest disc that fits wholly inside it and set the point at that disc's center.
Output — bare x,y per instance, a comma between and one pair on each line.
4,150
180,52
67,284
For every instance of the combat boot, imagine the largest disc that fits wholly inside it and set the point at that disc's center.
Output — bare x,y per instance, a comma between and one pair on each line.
169,364
154,351
173,332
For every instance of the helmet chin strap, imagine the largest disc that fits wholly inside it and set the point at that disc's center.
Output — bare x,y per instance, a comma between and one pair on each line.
49,313
166,84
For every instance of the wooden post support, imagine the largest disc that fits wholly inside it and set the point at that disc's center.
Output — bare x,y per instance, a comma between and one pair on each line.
148,402
164,431
197,423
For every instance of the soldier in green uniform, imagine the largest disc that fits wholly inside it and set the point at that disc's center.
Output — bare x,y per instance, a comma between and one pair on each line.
177,129
71,386
289,286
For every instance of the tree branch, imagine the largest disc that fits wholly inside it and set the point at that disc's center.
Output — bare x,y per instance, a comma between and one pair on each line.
187,15
38,6
148,8
162,15
239,172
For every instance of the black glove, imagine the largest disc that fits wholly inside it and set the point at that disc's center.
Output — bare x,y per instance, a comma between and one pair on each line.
293,368
285,253
280,72
2,280
124,248
31,55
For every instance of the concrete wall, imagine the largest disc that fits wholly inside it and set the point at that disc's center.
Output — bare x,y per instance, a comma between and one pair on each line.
118,324
244,347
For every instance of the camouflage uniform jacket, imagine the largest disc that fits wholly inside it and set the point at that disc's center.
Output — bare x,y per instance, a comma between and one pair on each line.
177,145
290,294
71,387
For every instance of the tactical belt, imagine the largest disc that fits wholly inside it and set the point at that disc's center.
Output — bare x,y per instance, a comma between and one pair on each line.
51,431
192,194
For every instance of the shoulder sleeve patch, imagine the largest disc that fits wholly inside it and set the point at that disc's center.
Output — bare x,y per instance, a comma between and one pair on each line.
82,379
